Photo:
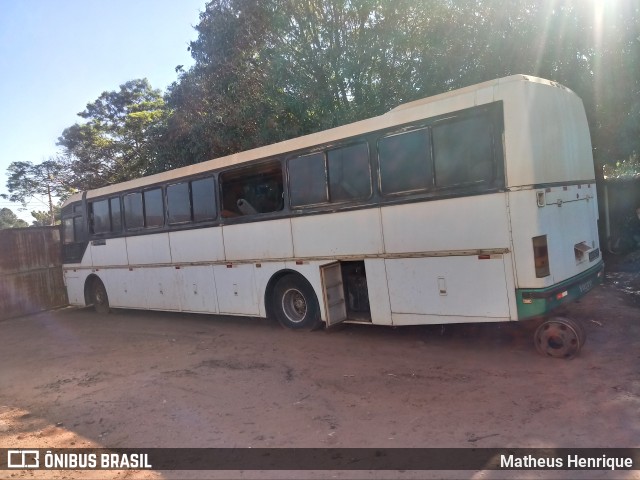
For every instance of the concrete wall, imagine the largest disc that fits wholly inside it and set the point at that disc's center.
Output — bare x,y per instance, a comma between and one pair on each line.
30,271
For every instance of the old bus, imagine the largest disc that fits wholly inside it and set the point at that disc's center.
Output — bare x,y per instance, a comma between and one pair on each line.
476,205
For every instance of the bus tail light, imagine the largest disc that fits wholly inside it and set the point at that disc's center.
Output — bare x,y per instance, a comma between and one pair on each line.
541,256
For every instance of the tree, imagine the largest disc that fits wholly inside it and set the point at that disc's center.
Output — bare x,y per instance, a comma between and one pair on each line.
117,141
275,69
42,219
8,219
28,180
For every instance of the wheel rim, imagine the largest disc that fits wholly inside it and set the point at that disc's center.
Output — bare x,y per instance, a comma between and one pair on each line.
100,295
557,339
294,305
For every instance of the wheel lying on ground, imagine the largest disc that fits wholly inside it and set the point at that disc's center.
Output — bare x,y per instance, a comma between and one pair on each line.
295,304
99,297
560,337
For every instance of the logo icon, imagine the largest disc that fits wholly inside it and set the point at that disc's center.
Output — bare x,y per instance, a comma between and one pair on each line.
23,459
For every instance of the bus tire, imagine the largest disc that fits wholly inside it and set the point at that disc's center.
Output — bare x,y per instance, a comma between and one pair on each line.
559,337
295,304
99,297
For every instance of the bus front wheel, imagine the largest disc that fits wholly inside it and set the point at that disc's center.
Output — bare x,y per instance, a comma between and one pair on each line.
559,337
295,303
99,297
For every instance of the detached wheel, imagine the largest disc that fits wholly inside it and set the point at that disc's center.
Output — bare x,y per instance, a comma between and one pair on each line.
99,297
559,337
295,304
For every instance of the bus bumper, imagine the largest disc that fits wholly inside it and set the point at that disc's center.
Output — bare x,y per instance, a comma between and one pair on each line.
538,302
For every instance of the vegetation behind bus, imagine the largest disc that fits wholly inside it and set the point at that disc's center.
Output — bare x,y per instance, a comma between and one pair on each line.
276,69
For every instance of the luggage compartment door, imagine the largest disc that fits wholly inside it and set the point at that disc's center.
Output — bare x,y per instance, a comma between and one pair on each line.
333,293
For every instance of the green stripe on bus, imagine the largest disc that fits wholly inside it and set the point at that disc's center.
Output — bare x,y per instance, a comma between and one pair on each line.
538,302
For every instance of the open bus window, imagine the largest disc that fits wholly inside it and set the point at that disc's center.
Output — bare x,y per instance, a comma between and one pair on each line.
253,190
405,162
463,152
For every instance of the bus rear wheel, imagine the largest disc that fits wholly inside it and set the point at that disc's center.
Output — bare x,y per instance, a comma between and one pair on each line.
295,304
99,297
559,337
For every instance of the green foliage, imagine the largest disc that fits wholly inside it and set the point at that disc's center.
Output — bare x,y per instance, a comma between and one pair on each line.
623,169
276,69
43,219
8,219
27,181
270,70
117,141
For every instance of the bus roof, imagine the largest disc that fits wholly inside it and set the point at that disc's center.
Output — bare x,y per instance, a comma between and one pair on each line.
431,106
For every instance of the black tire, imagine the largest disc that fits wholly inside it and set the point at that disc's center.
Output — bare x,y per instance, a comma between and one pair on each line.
295,304
99,297
559,337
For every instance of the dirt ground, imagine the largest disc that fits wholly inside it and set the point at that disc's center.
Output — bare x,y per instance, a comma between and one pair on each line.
72,378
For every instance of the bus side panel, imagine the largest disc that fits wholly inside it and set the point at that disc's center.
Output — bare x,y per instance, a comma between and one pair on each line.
260,240
75,286
197,289
197,246
460,286
126,288
344,233
378,291
236,289
149,249
113,252
467,223
162,289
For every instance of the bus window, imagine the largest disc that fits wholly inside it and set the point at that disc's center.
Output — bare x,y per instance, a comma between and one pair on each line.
463,152
116,220
178,203
204,199
133,211
405,162
67,231
349,173
153,208
308,180
100,221
251,191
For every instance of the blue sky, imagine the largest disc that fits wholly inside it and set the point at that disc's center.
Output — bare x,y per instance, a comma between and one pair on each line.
58,55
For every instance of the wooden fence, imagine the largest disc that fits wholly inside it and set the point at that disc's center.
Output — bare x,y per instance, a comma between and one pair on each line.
30,271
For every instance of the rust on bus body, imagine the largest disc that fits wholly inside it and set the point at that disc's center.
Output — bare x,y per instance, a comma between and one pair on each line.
30,271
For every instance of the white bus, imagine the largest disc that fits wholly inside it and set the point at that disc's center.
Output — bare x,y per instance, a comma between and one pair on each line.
476,205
